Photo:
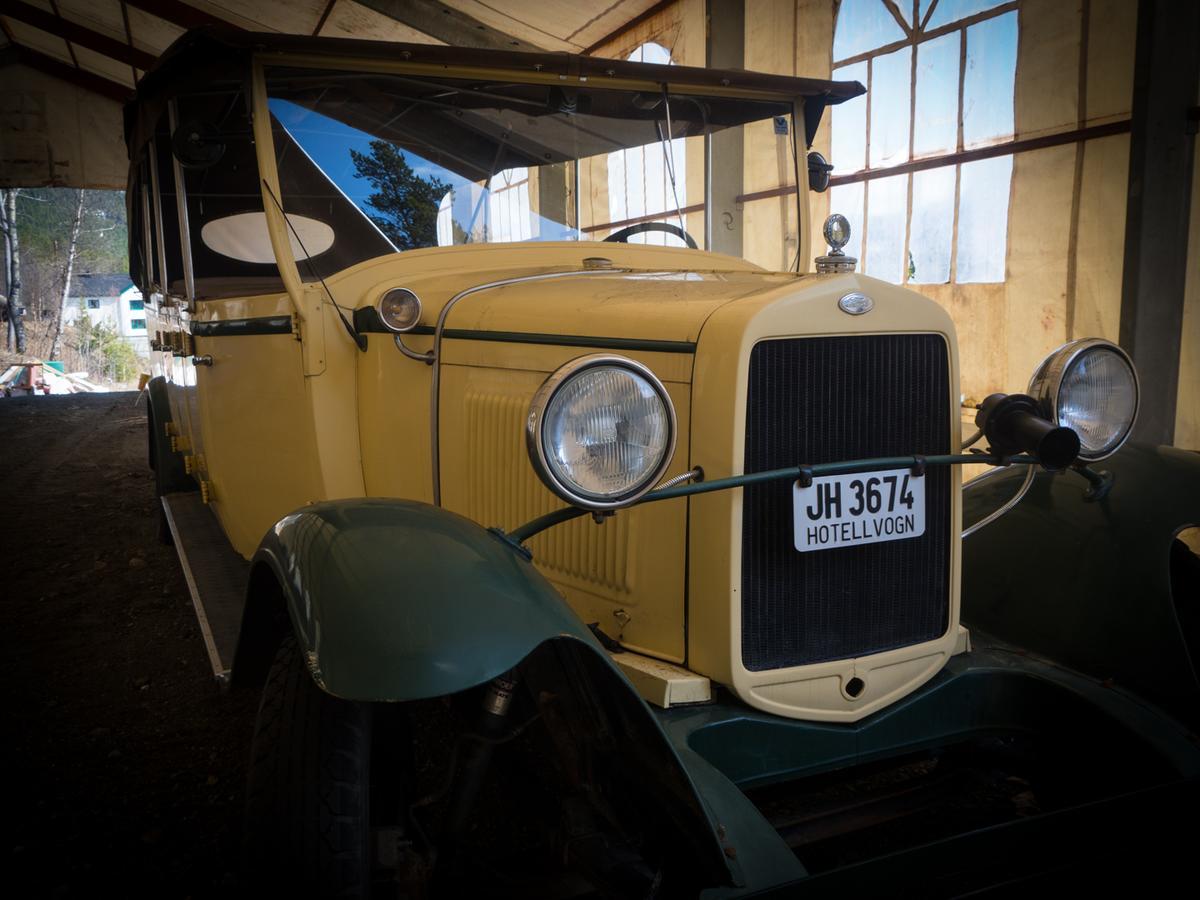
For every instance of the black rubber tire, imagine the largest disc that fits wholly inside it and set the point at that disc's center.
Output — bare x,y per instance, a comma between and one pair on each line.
307,800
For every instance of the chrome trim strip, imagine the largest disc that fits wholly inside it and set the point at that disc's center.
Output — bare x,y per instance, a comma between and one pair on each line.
440,327
185,234
997,513
147,243
155,190
214,658
426,357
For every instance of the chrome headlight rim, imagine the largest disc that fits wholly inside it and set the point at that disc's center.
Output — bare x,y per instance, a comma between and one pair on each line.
383,319
535,445
1046,385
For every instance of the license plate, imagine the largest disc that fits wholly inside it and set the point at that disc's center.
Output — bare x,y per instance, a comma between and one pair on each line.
845,510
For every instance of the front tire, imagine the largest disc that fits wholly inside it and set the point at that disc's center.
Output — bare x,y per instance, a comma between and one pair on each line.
307,806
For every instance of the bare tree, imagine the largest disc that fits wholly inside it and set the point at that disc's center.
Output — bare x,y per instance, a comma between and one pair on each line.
72,252
12,270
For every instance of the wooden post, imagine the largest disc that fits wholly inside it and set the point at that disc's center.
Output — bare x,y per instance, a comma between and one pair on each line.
726,50
1166,73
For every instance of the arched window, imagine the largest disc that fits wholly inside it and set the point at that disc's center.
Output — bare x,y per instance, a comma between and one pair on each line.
940,78
648,180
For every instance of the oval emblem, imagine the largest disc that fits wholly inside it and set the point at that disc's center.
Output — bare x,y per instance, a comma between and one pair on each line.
856,304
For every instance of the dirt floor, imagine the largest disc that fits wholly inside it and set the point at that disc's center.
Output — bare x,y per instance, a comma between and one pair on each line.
126,762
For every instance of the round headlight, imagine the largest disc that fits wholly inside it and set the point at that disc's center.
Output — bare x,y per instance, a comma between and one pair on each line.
601,431
1091,386
399,310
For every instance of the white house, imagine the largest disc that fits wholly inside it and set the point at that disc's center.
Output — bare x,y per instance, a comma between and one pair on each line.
114,301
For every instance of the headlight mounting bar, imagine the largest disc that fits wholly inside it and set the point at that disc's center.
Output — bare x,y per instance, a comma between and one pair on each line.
917,463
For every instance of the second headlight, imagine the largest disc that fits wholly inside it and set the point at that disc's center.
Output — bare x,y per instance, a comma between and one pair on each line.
1091,386
601,431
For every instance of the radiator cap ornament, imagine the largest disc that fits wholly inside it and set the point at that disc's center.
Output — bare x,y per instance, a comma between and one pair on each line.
837,233
856,304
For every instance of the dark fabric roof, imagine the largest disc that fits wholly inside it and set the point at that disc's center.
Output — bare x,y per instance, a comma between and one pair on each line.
87,284
205,55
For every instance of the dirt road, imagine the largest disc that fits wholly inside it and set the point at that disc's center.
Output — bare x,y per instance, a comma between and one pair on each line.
125,761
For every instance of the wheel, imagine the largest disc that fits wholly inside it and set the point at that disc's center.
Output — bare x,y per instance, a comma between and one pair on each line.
308,797
623,236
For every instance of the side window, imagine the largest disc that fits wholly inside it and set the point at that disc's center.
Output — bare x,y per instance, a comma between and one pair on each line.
926,71
230,246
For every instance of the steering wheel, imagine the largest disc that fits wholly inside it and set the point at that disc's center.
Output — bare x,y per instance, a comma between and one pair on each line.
623,236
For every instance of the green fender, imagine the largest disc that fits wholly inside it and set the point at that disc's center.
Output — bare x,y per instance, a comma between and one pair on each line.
398,600
1088,584
394,600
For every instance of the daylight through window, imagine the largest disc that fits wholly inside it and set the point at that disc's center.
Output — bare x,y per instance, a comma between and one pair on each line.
940,76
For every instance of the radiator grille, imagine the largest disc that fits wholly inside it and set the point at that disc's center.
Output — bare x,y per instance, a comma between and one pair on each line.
815,400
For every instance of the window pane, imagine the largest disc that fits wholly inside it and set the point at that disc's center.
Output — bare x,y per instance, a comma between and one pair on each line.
891,81
932,225
887,204
952,10
847,199
988,82
848,131
983,220
936,128
863,25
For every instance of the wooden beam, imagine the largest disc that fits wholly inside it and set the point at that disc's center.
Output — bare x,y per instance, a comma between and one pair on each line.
448,24
77,34
949,159
95,84
1165,73
628,26
70,46
178,13
324,17
128,38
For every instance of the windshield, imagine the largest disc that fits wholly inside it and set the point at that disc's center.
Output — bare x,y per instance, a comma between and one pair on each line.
373,164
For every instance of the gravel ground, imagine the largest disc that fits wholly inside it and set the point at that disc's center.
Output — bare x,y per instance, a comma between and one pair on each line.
127,762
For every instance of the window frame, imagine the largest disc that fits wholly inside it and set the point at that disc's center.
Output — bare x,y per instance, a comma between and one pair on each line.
916,35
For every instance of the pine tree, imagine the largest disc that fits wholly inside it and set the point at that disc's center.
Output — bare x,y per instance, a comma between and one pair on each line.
407,203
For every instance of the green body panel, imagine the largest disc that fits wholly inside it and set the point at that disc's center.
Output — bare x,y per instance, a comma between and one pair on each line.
399,600
1087,584
991,692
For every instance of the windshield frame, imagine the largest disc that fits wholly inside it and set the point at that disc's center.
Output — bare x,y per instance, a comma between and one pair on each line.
267,159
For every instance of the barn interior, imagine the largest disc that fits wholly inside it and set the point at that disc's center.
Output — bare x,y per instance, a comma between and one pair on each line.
1029,165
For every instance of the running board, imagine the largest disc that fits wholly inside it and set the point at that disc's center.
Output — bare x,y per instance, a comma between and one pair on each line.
216,576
